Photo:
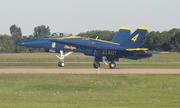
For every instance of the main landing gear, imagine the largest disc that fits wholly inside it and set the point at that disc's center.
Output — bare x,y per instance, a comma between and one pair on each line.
61,58
96,64
111,64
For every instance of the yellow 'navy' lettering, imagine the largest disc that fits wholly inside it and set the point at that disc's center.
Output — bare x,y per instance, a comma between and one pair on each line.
109,52
53,45
135,38
70,47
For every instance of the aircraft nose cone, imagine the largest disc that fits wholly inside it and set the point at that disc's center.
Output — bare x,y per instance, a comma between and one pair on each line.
35,43
20,43
28,43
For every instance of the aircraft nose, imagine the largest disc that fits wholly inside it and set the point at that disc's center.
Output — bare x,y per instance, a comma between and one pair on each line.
35,43
28,43
20,43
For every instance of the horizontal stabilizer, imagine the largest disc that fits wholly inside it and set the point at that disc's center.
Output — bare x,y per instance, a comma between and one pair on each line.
157,52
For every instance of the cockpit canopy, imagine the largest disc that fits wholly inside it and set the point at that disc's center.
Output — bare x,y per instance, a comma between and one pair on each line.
59,34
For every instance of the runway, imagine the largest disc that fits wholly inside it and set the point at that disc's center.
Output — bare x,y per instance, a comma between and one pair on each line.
87,71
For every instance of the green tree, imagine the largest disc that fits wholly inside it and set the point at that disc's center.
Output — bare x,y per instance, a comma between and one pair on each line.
16,33
41,31
17,37
152,41
175,42
6,44
157,40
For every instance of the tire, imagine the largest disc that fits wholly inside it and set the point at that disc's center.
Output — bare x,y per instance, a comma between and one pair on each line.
112,65
61,64
96,65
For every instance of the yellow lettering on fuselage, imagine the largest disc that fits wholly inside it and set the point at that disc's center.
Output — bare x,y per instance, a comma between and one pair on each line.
70,47
109,52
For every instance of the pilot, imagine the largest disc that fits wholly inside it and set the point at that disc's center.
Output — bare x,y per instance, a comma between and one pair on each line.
61,34
54,34
58,34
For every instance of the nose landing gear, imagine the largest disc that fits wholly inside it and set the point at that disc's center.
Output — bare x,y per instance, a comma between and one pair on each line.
61,58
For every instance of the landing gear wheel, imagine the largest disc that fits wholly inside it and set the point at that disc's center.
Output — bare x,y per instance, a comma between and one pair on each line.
61,64
96,65
112,65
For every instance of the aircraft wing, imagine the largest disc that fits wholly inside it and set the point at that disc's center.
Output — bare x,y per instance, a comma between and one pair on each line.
122,48
111,48
73,42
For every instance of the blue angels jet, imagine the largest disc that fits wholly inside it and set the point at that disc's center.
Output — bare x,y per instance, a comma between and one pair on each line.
123,45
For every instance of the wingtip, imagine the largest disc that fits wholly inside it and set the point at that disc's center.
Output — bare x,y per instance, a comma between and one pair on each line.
125,28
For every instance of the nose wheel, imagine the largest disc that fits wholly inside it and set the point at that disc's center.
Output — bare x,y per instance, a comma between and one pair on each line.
61,64
61,58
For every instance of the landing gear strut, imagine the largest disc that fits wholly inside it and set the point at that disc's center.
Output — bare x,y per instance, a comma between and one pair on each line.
61,58
111,64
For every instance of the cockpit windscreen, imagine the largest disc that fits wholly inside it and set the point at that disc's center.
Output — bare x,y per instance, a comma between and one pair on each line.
59,35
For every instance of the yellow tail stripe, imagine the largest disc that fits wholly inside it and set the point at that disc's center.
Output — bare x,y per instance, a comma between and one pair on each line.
125,28
143,28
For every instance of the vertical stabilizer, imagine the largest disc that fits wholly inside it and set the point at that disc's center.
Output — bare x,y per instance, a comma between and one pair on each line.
135,40
122,35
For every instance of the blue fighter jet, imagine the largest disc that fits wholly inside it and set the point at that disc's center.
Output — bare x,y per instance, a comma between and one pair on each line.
123,45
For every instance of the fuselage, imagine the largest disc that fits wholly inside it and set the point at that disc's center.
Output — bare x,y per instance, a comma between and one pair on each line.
88,46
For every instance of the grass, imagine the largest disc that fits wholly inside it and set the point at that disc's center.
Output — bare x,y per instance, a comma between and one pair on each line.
87,91
48,60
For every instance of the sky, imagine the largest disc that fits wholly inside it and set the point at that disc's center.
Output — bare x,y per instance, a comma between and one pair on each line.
76,16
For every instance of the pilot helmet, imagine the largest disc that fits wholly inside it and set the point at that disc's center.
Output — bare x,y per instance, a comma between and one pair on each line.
61,34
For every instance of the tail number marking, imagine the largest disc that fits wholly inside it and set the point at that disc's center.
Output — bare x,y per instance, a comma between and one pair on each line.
135,38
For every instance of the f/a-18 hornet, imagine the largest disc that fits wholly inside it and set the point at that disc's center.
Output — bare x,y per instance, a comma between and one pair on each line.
123,45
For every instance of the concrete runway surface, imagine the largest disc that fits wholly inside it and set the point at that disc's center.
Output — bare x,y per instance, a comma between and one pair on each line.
88,71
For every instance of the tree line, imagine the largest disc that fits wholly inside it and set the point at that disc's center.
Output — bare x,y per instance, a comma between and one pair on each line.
154,40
